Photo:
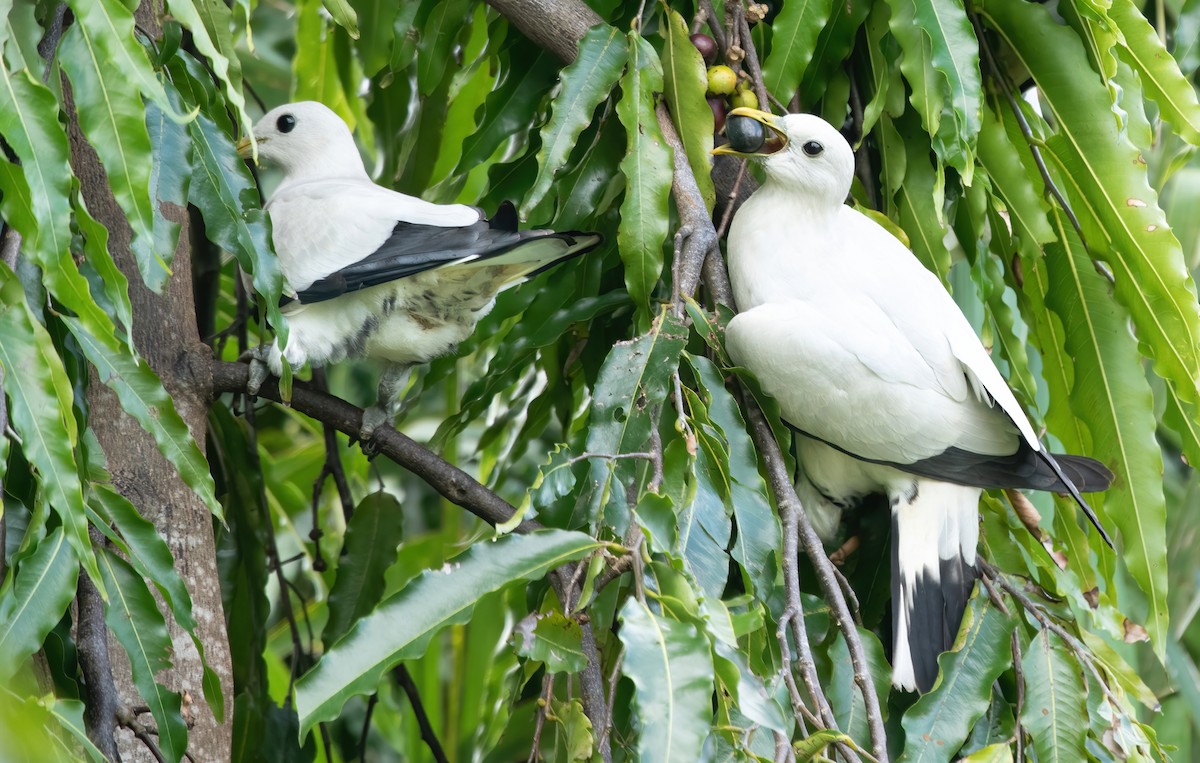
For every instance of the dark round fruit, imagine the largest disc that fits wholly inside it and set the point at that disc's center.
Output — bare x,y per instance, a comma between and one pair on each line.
745,134
718,109
707,47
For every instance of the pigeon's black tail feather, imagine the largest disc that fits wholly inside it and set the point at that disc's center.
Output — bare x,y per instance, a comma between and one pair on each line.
934,533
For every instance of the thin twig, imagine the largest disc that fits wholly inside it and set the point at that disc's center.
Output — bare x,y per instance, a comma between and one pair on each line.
414,698
1020,678
731,205
366,729
756,77
543,709
128,720
613,678
718,34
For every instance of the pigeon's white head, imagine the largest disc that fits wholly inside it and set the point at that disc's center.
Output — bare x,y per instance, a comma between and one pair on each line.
306,140
802,152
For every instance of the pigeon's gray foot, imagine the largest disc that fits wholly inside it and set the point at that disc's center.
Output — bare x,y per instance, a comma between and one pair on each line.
386,407
259,371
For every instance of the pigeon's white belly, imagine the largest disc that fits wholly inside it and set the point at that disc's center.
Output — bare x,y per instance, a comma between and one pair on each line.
408,321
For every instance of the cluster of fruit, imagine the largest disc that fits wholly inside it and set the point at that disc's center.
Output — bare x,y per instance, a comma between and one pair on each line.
725,88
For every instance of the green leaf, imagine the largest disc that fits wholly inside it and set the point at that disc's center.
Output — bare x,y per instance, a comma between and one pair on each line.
113,118
940,721
753,698
369,548
633,381
555,639
1055,710
684,84
954,54
993,753
585,83
441,22
833,46
170,176
343,15
811,747
509,110
917,196
133,617
1142,48
795,32
33,599
41,399
228,199
645,214
1105,177
1111,394
210,27
138,539
38,205
143,397
758,534
670,665
845,697
401,627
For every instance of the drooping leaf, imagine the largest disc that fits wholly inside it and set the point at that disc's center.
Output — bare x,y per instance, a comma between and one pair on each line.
170,176
684,84
209,24
143,397
508,111
440,23
1106,180
1110,393
833,47
1055,710
372,535
585,83
401,627
40,410
937,725
343,15
845,698
647,170
114,120
1142,48
795,32
555,639
634,379
227,198
33,599
670,665
133,617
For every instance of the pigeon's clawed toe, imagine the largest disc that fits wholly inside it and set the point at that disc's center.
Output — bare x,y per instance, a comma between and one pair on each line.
259,370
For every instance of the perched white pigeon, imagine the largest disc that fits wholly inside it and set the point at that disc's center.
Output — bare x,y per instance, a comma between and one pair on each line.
881,375
374,273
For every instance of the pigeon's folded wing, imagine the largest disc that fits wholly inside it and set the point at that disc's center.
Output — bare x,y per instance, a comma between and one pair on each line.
844,373
323,227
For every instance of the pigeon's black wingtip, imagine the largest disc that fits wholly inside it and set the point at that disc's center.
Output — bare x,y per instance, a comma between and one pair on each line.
1052,462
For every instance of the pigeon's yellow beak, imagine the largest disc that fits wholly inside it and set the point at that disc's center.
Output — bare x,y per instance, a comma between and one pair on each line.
752,133
245,148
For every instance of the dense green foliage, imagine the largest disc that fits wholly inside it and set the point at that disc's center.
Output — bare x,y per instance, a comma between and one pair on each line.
584,402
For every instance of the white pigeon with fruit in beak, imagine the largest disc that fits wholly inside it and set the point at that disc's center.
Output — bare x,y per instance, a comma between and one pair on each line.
882,378
372,273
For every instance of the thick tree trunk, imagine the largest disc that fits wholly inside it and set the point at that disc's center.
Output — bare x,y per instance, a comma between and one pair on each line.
165,334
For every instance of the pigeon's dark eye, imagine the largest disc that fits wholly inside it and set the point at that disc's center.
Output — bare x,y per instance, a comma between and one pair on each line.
813,148
286,123
745,134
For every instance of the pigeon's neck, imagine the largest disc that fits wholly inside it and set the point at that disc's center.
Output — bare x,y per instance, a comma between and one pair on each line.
781,194
339,165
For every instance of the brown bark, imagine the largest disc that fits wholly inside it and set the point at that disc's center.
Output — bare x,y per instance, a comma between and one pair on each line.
165,335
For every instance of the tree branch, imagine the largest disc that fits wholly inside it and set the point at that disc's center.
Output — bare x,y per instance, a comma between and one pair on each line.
452,483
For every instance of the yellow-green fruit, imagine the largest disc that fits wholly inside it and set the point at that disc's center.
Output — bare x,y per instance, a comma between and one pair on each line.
721,80
746,99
